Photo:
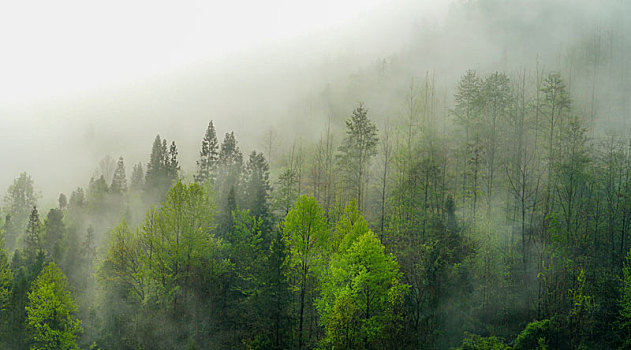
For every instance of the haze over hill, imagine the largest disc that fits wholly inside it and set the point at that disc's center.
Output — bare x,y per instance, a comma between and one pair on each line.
83,82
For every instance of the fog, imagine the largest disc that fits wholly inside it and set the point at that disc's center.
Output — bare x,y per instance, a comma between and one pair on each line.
80,82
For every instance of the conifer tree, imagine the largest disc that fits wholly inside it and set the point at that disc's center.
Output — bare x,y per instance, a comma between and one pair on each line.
208,156
33,239
358,147
119,180
162,169
172,165
20,199
55,231
257,189
137,177
155,167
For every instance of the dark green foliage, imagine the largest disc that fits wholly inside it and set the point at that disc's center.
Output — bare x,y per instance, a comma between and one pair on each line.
257,191
536,335
33,236
55,234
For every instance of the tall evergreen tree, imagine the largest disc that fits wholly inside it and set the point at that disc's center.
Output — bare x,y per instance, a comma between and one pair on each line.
20,199
162,169
227,184
119,180
208,156
55,232
137,177
358,147
33,237
257,190
172,164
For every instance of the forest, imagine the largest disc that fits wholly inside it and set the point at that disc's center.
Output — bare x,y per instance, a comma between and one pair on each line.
488,212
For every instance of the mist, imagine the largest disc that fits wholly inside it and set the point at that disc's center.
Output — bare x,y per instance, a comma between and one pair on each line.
472,257
94,96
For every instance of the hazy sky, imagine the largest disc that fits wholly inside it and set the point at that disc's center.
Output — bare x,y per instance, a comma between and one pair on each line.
82,79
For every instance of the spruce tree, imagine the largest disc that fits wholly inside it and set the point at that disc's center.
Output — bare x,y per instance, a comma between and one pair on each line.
119,180
257,189
137,177
155,167
172,165
33,239
55,232
208,156
358,147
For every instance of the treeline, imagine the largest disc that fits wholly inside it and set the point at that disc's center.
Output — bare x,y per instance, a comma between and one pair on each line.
500,224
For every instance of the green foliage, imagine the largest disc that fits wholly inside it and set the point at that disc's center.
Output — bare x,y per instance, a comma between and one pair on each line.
18,203
306,234
51,323
625,301
33,238
55,232
6,280
349,227
257,189
361,293
178,241
536,335
476,342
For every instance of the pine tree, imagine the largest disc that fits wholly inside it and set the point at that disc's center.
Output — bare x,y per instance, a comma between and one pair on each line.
77,198
162,169
119,180
230,168
33,240
257,189
358,147
55,232
208,156
155,167
172,165
137,177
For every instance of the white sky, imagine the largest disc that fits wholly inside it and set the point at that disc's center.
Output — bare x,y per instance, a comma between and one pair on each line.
49,48
67,68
